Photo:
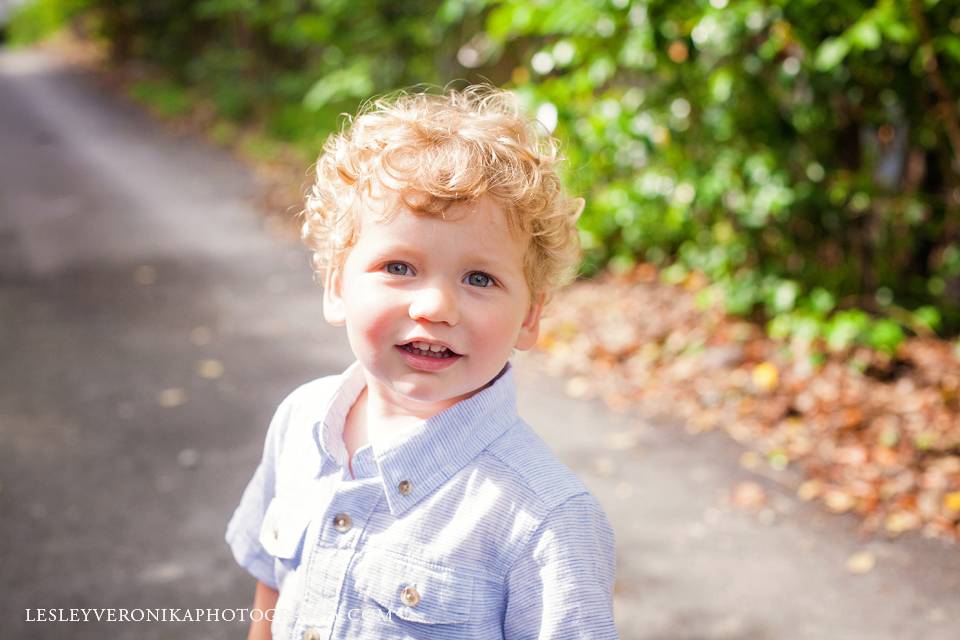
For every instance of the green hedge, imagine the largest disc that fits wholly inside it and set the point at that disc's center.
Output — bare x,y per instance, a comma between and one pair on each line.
802,154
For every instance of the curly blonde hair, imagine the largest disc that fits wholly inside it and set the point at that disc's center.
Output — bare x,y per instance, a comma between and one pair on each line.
436,150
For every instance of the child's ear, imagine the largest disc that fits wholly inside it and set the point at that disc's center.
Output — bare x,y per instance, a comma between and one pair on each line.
333,309
530,329
578,211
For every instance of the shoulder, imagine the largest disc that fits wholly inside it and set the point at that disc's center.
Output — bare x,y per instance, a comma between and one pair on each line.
301,408
534,468
312,396
556,519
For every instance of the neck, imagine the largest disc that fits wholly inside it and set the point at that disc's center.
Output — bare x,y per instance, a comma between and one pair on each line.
373,419
385,406
381,415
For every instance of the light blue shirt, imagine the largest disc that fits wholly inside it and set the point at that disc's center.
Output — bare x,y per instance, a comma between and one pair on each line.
468,527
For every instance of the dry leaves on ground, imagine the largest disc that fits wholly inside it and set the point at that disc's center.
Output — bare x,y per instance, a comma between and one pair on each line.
881,441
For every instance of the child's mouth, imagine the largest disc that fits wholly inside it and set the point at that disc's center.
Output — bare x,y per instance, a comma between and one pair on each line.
445,353
426,360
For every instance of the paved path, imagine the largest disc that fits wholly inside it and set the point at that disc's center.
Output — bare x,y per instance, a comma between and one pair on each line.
128,256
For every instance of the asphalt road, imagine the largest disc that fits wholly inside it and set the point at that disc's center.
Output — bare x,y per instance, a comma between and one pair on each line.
150,323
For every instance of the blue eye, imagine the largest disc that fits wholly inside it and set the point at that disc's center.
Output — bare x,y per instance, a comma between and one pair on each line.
403,268
487,279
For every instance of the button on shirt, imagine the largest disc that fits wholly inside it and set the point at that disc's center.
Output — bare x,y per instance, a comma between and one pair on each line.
468,527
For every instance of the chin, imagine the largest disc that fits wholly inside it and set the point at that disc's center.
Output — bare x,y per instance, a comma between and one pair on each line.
418,393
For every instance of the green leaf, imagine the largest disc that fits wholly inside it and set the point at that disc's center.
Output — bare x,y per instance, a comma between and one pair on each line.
822,301
784,296
929,316
674,274
830,53
898,32
352,82
864,35
740,295
949,45
805,327
885,335
780,327
845,328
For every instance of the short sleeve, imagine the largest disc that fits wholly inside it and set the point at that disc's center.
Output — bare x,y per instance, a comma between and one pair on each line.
243,530
561,585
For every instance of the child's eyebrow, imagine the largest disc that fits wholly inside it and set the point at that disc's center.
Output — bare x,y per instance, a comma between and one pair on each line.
393,251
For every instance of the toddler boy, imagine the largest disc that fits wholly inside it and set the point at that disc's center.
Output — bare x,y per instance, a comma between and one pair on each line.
405,498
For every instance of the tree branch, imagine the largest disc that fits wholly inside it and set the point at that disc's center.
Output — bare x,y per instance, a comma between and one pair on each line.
946,104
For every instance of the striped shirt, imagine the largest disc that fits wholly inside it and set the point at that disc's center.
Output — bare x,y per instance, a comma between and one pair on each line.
468,527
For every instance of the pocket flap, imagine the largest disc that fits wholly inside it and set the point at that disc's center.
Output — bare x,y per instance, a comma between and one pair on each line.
281,533
415,590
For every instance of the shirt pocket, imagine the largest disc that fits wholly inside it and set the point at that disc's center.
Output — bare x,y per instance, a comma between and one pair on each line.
282,531
414,590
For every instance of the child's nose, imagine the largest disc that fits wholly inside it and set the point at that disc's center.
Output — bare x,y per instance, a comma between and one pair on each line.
436,303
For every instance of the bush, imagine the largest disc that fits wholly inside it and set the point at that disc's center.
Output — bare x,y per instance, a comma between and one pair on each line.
802,155
29,22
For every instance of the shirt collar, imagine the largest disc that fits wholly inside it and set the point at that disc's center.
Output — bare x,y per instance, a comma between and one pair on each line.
413,466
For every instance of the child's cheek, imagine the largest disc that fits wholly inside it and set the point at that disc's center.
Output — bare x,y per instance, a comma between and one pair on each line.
378,317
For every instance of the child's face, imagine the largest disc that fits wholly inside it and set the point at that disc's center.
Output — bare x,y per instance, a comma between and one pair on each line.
458,281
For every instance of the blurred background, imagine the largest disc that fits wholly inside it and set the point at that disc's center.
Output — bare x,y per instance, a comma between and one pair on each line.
765,327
